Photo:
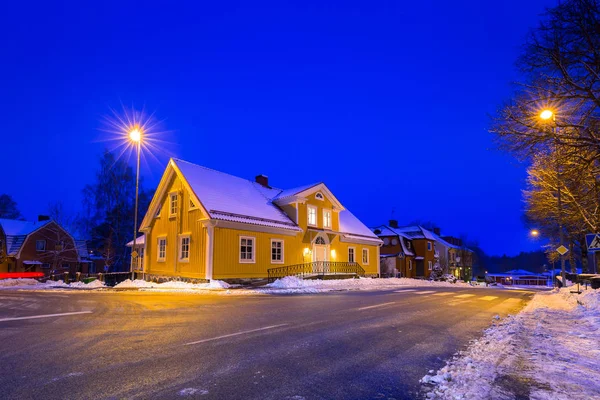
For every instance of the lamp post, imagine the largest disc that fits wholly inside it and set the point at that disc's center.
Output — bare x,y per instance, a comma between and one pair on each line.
546,115
135,135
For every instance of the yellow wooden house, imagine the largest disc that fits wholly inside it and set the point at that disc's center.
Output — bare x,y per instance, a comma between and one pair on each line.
206,224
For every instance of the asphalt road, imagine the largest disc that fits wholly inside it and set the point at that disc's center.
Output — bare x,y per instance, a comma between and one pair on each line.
342,345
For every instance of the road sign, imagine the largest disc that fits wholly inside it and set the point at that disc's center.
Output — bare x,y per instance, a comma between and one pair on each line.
593,241
562,250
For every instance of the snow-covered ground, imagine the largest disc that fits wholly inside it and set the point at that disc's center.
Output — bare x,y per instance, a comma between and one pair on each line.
550,350
283,286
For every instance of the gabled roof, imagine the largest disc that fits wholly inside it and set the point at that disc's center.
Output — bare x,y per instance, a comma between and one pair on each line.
16,232
230,198
416,232
385,230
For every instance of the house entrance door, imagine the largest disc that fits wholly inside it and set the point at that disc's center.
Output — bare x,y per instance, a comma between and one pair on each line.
319,258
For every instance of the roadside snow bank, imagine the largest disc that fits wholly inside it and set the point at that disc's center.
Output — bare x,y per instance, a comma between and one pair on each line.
172,286
32,284
548,351
292,284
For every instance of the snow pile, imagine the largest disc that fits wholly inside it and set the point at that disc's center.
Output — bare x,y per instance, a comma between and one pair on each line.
548,351
292,284
172,285
95,284
17,282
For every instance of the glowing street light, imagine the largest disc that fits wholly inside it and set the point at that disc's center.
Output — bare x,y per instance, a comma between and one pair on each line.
135,136
547,114
534,233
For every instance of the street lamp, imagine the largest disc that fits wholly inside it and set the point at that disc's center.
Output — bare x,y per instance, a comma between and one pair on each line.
135,136
534,233
547,115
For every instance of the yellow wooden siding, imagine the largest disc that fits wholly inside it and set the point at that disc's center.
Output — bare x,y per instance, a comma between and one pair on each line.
184,223
226,259
341,253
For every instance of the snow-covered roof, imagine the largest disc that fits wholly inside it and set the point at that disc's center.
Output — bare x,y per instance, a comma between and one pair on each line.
404,239
222,193
139,241
416,232
230,198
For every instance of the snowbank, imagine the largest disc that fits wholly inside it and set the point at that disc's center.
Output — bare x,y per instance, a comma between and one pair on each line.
172,286
292,284
32,284
548,351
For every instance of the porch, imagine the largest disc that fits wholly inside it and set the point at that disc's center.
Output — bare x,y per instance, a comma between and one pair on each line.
318,270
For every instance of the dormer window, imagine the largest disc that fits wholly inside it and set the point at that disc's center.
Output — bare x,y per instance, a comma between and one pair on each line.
312,215
319,196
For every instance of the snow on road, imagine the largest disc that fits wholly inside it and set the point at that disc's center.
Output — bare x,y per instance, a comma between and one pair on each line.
548,351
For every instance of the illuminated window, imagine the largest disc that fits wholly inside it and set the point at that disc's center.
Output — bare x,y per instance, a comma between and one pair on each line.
365,256
174,204
247,248
40,245
351,254
162,249
276,251
327,219
184,248
312,215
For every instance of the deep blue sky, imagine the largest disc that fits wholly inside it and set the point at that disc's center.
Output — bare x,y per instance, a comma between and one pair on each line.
387,103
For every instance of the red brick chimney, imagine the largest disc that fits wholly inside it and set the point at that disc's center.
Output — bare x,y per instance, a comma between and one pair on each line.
263,180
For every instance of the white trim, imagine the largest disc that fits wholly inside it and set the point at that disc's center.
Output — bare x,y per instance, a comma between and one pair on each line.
429,246
297,214
180,250
247,261
430,265
158,257
353,253
191,204
254,228
171,213
309,207
362,256
330,226
410,265
210,230
282,251
378,261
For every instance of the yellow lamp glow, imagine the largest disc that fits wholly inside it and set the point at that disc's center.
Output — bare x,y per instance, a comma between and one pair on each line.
135,135
535,233
306,250
546,114
333,254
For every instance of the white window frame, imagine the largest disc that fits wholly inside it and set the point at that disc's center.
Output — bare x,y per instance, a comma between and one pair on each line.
429,246
158,257
245,260
365,250
430,265
325,211
171,195
322,198
40,241
353,254
180,249
410,265
282,246
308,208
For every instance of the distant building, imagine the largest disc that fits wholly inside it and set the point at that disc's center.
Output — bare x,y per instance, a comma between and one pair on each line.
40,246
520,277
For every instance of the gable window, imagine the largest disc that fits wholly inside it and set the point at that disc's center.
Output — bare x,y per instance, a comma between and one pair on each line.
327,219
40,245
428,246
408,245
365,256
162,249
184,248
351,254
312,215
173,204
430,264
319,196
320,240
247,249
192,204
276,251
158,212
